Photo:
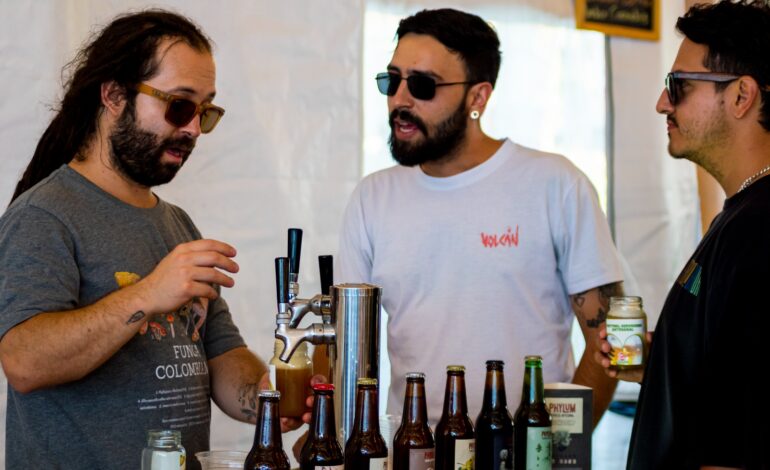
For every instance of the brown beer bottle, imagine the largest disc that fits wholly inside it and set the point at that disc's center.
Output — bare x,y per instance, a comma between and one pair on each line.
366,449
267,452
494,426
532,423
322,450
455,439
413,445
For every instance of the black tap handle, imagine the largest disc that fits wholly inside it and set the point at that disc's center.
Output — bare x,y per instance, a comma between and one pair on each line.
282,279
326,266
295,246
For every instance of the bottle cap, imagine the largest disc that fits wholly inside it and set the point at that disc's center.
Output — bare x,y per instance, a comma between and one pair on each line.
366,381
269,394
415,375
323,387
455,368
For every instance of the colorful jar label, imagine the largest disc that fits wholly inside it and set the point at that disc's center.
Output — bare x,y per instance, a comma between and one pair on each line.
539,448
626,336
378,463
464,454
422,459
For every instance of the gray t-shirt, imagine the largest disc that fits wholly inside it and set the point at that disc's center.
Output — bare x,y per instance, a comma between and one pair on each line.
64,244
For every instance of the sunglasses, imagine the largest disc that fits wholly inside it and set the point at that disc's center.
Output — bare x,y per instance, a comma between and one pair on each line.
421,87
675,81
181,111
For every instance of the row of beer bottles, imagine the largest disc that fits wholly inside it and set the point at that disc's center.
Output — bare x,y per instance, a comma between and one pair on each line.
365,448
497,441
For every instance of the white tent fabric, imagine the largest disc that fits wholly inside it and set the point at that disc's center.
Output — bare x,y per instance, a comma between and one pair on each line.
288,151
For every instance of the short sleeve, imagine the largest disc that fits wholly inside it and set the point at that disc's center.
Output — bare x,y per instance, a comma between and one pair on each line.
221,334
354,258
38,272
586,255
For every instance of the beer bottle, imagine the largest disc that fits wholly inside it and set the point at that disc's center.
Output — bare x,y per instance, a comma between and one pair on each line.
413,444
626,333
532,423
366,449
455,439
494,426
321,450
267,452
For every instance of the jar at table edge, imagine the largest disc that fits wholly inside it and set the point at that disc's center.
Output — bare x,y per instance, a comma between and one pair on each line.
164,450
627,333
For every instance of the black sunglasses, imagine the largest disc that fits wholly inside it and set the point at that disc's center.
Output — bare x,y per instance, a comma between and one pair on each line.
675,80
180,111
421,87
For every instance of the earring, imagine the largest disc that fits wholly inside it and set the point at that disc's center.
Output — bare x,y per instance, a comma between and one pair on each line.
475,114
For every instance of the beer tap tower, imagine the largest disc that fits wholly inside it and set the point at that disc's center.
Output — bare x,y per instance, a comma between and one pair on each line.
350,315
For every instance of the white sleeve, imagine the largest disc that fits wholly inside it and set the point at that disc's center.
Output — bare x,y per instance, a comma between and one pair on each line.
586,255
354,258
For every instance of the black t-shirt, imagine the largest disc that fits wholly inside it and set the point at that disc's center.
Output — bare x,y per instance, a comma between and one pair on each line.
702,401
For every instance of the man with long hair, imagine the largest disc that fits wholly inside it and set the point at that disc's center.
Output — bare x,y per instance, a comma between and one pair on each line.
110,310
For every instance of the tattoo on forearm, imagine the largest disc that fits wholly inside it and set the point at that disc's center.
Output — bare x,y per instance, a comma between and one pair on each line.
601,317
247,397
605,292
135,317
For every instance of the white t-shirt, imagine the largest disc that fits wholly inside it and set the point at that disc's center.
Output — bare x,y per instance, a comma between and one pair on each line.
478,266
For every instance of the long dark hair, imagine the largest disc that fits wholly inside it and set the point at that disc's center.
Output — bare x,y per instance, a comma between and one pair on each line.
122,52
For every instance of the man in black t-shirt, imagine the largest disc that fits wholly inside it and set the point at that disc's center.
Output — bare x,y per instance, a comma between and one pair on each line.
700,403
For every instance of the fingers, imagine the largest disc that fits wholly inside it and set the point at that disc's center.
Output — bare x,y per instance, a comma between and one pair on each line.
290,424
207,245
318,379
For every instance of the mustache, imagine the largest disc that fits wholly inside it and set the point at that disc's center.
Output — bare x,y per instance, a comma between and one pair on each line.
406,116
184,144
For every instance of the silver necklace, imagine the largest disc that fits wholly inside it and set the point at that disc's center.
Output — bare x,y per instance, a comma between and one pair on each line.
747,182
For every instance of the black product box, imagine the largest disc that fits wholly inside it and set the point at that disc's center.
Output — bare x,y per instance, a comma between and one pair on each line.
571,407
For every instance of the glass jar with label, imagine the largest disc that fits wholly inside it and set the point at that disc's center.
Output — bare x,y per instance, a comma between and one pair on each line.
626,333
164,451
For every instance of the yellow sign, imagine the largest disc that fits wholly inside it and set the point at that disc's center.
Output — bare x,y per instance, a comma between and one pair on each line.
638,19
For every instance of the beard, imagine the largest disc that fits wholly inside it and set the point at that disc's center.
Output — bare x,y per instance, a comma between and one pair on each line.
698,140
137,153
442,144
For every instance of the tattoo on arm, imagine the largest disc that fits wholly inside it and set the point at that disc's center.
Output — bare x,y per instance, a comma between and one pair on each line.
247,397
605,292
135,317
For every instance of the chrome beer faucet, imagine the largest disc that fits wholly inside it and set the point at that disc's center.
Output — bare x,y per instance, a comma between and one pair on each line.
292,309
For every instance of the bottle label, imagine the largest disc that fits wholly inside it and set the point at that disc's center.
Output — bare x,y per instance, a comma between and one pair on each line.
539,448
422,459
626,336
464,454
162,460
378,463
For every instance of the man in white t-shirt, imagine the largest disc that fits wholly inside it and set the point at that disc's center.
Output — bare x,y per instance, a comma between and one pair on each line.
483,248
